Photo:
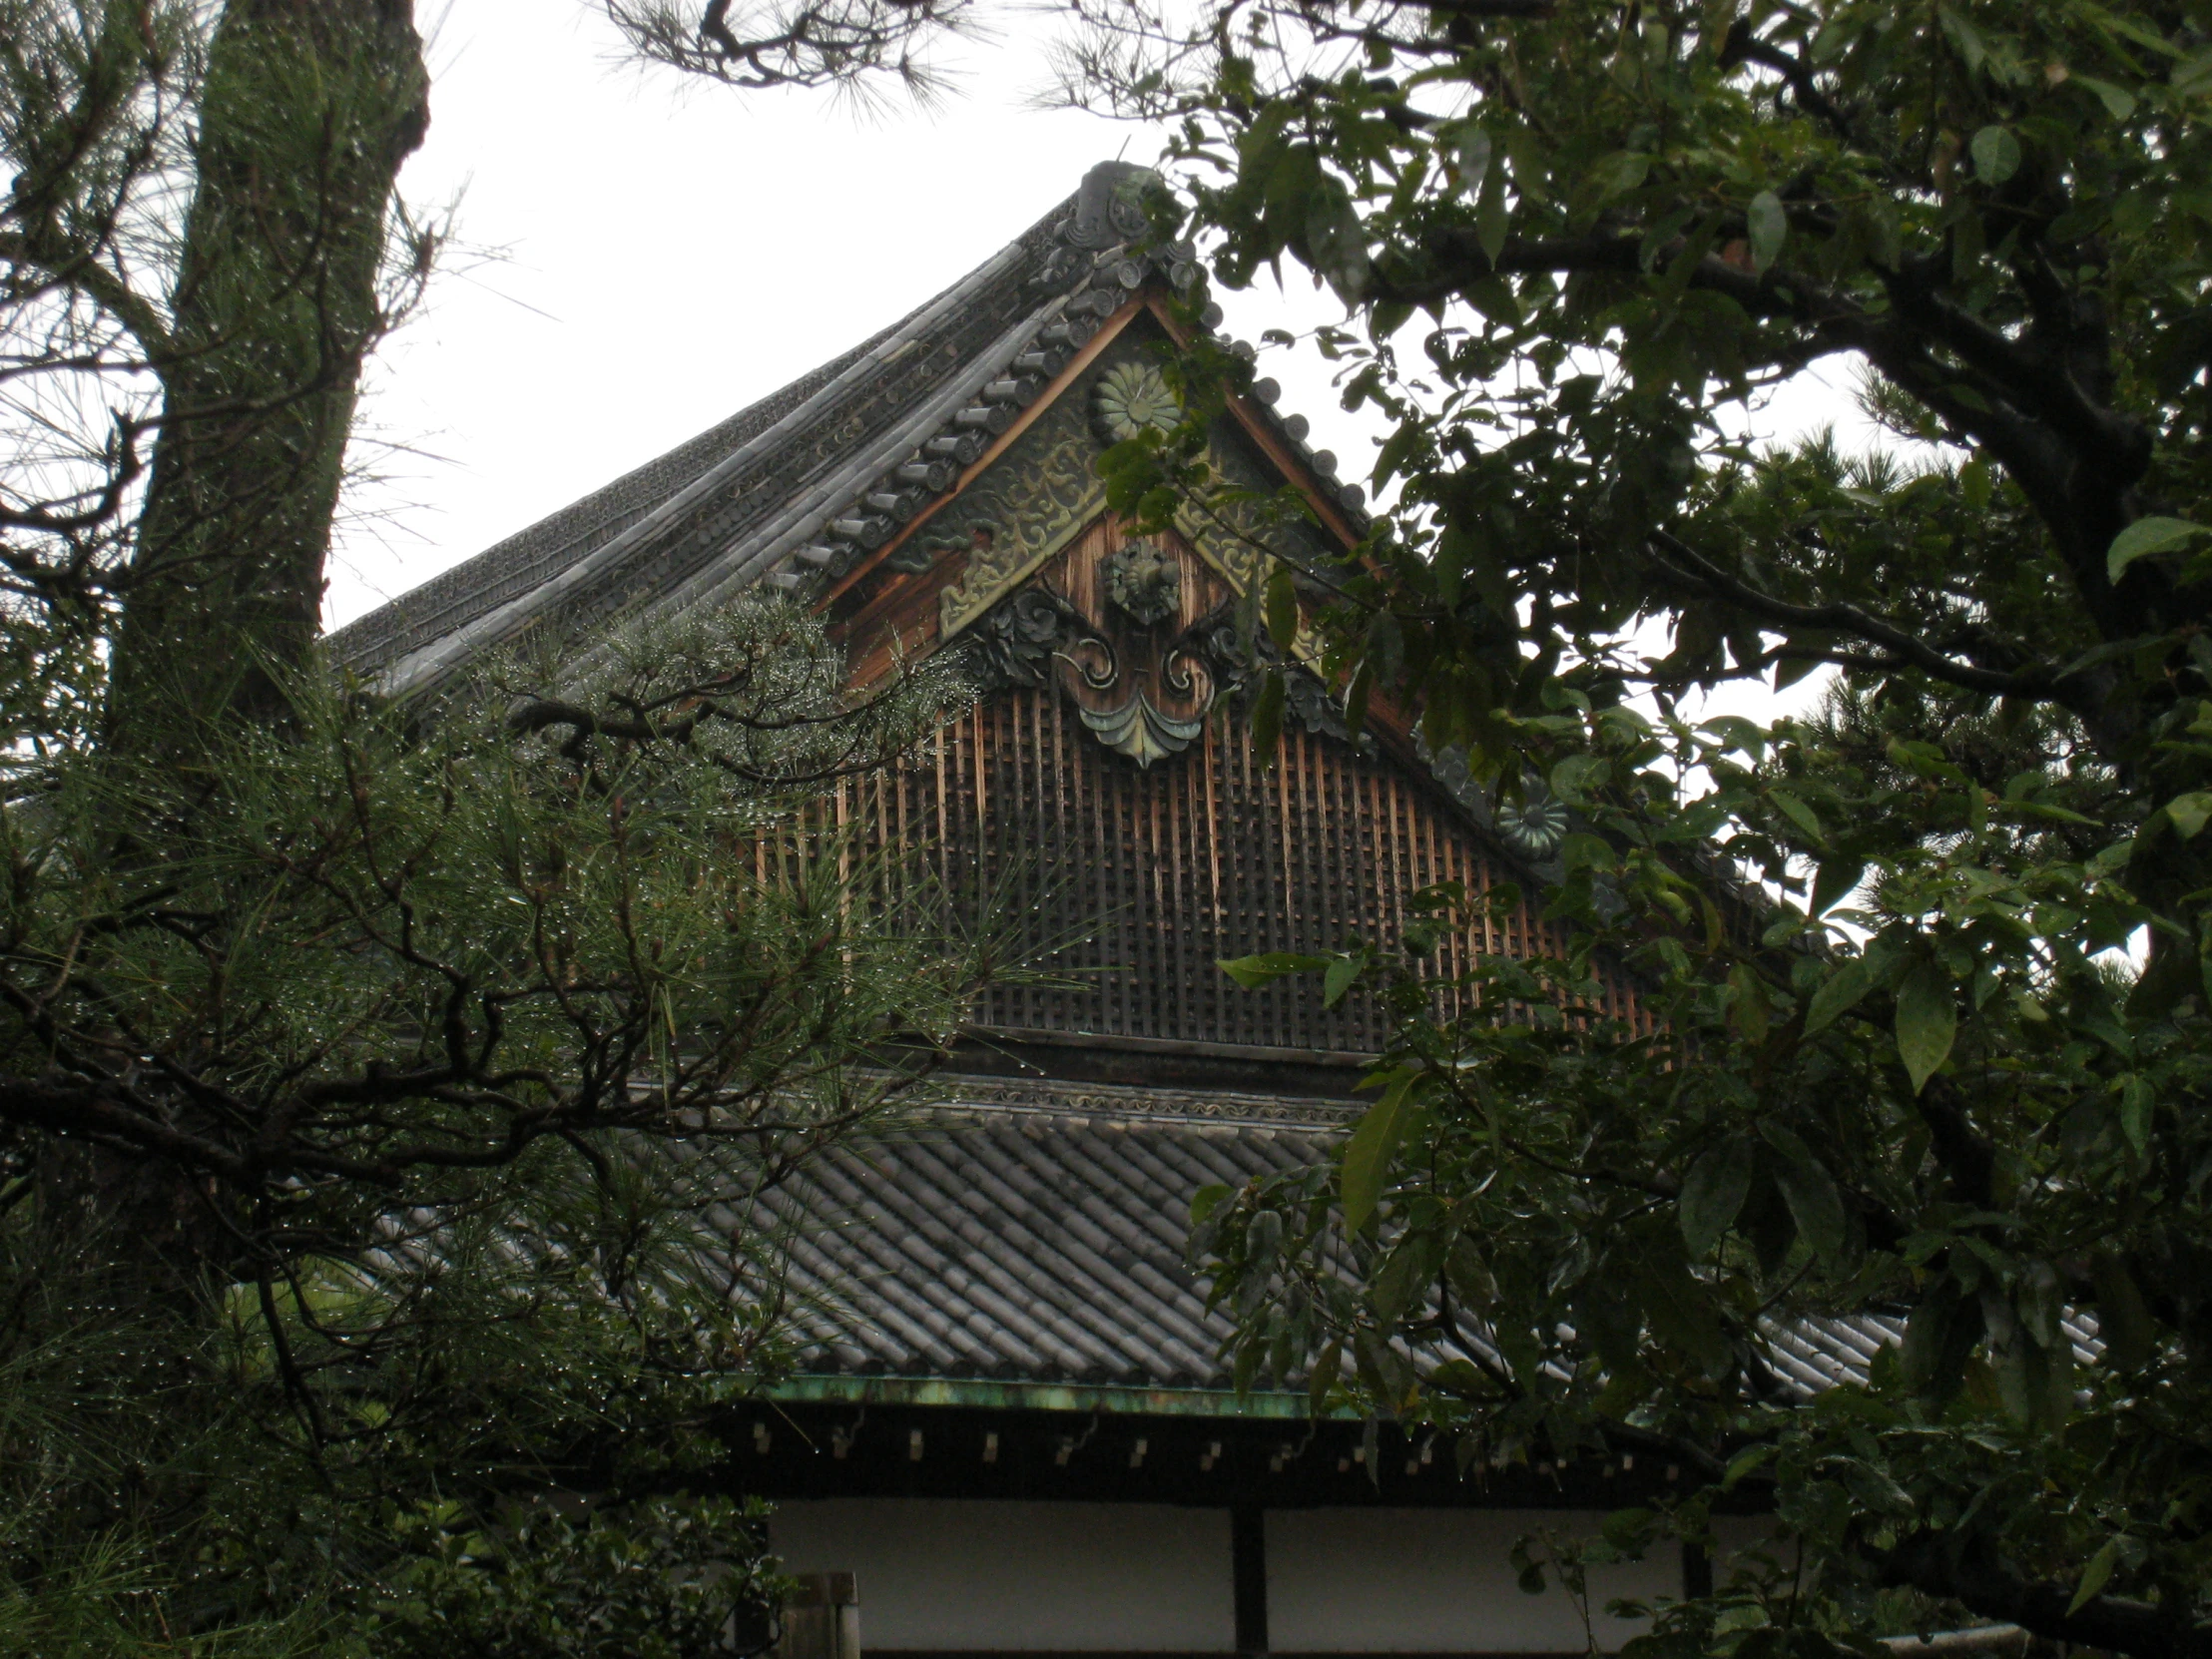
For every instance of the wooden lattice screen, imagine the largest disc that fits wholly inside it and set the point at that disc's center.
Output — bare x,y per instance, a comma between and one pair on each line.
1155,875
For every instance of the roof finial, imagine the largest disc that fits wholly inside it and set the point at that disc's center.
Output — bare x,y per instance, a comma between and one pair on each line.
1108,208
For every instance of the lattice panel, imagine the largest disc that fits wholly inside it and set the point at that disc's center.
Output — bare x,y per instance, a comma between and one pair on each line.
1152,875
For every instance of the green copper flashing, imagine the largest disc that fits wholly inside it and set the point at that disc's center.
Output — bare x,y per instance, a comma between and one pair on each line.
1037,1396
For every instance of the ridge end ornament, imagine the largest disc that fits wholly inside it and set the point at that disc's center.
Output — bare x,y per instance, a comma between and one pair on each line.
1535,824
1131,399
1143,583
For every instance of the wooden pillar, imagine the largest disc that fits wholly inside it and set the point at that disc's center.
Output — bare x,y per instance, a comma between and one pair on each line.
1697,1573
1247,1576
823,1618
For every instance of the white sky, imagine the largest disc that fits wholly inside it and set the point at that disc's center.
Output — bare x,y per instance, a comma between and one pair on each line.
663,254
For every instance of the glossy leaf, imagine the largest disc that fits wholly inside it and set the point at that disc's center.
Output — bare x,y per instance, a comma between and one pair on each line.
1997,155
1838,995
1368,1153
2145,537
1280,608
1770,227
1713,1193
2094,1576
1472,154
1815,1203
1270,965
1926,1021
1343,972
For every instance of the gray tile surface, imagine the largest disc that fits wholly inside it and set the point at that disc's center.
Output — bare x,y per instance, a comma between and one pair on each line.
1031,1244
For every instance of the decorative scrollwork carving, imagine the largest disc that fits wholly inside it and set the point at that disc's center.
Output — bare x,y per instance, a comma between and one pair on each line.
1142,732
1016,643
1026,508
1218,639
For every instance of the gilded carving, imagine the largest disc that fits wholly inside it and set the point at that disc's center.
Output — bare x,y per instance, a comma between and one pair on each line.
1122,643
1044,490
1039,495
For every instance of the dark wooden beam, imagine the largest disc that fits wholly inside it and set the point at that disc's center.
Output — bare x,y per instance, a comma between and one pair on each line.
1248,1571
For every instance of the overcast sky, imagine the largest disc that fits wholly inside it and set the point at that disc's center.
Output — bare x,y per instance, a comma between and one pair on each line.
651,255
667,253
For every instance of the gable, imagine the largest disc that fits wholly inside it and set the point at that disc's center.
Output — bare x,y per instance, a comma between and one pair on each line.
1129,882
1106,789
936,490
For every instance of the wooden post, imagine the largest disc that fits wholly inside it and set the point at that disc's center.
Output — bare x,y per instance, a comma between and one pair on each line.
822,1620
1247,1570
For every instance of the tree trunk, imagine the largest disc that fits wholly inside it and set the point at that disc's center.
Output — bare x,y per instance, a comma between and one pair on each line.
309,108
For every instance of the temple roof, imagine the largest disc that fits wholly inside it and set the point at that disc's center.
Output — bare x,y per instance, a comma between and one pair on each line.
1033,1234
791,488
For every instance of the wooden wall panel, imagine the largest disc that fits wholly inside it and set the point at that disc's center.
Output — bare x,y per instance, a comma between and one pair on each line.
1129,884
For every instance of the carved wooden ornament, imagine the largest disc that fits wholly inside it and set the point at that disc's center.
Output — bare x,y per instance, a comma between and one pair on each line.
1137,633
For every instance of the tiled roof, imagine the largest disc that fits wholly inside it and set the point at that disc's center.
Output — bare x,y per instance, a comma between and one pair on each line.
1028,1244
1036,1235
790,490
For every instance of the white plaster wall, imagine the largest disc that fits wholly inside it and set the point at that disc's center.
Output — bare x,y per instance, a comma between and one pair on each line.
982,1575
1436,1581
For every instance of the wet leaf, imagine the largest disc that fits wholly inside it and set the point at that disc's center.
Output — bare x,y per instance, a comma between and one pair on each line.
1926,1021
1713,1193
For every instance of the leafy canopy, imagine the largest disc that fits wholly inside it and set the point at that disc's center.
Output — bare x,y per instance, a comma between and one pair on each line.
1942,1061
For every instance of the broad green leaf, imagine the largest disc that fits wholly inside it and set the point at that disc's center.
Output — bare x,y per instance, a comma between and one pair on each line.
1927,1023
1341,972
1618,174
1470,1274
1280,608
1327,1365
1810,1191
1492,218
1267,716
1997,155
2095,1576
1798,812
1392,1289
2145,537
1472,151
1458,1376
1748,1461
1683,1316
1356,699
1966,39
2188,813
1875,1489
1835,882
1368,1155
1747,1002
1573,776
1713,1193
1254,971
1770,227
1939,1335
2123,1320
2118,102
2137,1105
1975,483
1207,1200
1844,987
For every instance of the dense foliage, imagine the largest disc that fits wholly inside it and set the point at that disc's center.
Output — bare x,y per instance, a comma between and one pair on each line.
1944,1061
381,1089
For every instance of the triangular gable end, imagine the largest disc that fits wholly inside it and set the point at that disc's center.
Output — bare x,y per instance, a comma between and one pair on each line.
1107,785
935,487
